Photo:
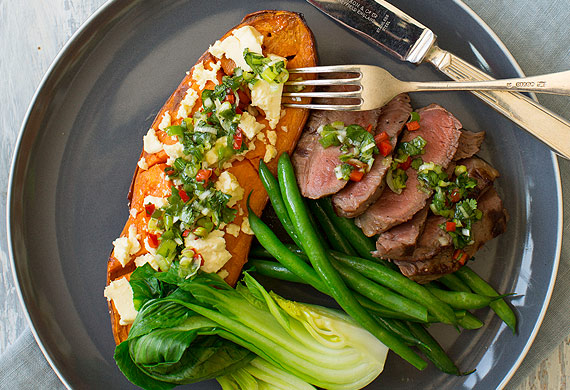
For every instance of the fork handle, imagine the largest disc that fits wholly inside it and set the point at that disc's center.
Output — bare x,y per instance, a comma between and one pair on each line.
554,83
542,123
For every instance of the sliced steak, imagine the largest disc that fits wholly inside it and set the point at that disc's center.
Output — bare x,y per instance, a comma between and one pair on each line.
482,172
314,165
431,241
431,269
441,131
469,144
353,199
433,238
400,241
492,224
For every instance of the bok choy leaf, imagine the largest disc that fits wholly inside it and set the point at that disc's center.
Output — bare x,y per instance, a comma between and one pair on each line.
197,328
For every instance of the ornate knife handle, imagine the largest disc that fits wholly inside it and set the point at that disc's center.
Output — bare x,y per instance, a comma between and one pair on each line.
544,124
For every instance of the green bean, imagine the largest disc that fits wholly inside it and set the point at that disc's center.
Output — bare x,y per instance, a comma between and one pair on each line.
478,285
452,282
401,330
269,241
272,187
258,251
469,321
397,282
362,244
433,351
328,274
460,299
315,226
337,240
408,309
380,310
274,270
380,294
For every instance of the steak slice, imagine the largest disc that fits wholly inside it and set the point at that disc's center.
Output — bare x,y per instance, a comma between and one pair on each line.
314,165
492,224
400,241
353,199
441,131
469,144
484,173
431,241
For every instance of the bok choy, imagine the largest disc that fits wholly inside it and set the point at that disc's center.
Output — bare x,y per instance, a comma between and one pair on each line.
194,328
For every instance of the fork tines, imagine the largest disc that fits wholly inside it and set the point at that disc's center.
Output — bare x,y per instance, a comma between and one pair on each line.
348,81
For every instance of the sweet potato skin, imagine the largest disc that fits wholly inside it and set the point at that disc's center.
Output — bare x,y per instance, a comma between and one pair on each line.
285,34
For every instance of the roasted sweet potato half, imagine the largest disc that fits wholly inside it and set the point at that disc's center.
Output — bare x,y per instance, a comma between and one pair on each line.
285,34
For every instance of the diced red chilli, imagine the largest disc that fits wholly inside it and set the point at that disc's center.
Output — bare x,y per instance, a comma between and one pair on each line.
183,195
149,208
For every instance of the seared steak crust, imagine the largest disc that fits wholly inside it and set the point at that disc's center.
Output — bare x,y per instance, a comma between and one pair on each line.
469,144
400,241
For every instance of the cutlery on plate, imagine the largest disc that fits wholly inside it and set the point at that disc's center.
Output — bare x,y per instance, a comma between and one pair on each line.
407,39
375,86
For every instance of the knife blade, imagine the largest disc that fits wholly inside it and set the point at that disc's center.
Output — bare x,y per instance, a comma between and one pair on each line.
408,40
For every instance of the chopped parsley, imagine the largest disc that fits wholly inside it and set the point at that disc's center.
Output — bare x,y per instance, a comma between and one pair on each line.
356,144
396,176
451,200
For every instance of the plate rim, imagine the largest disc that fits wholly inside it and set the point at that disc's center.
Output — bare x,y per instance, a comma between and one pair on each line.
90,23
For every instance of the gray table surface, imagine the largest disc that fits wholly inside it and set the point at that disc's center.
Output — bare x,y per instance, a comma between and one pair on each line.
32,32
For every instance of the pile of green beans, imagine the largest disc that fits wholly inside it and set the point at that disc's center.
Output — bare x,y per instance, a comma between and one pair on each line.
334,256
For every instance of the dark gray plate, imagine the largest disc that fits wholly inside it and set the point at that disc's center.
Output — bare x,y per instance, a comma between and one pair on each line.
82,138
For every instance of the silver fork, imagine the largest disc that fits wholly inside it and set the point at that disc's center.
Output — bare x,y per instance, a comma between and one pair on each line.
376,86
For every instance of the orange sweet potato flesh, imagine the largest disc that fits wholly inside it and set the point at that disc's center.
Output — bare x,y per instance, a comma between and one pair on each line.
285,34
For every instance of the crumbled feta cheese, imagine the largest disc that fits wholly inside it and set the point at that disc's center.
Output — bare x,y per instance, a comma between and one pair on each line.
245,227
270,153
143,164
250,146
284,128
233,229
227,165
201,75
283,112
158,202
148,247
120,292
147,258
211,156
187,104
261,137
240,210
234,45
272,137
249,126
174,151
133,212
127,246
212,248
165,122
151,142
267,96
228,184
